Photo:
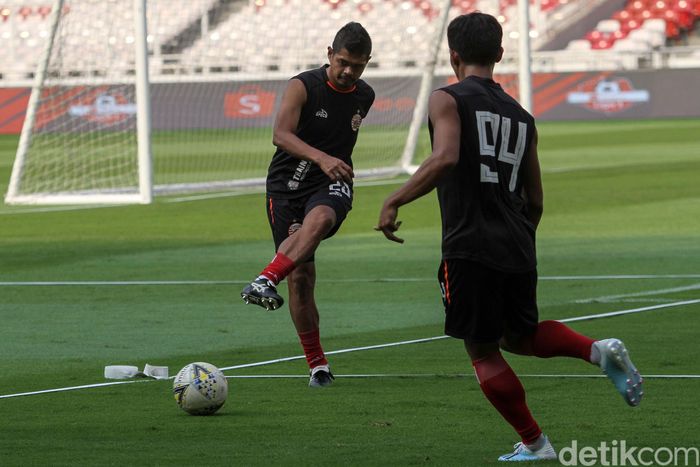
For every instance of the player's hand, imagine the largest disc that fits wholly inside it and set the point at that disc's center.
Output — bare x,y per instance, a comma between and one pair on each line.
336,169
388,224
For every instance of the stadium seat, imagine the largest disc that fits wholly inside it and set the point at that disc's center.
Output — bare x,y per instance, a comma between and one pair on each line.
622,15
334,3
685,14
652,38
365,8
25,12
602,43
44,11
631,24
608,25
595,35
578,44
630,45
655,24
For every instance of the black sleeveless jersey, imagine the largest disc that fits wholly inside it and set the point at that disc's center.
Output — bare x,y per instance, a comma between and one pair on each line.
481,199
329,121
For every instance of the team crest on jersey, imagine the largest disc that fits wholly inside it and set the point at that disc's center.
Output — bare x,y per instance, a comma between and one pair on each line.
322,113
356,121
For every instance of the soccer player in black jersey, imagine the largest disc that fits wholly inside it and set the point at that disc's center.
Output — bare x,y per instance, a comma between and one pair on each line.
484,164
310,181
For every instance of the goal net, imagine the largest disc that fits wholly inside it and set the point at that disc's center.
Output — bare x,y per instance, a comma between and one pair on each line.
104,127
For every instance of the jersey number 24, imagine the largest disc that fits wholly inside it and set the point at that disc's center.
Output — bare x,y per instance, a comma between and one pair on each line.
489,125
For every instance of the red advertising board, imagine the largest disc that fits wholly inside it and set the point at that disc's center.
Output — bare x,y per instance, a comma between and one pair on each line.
250,101
13,103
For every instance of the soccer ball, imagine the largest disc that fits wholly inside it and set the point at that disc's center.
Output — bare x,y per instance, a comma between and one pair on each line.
200,388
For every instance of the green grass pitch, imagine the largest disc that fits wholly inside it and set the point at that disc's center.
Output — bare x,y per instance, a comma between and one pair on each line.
620,232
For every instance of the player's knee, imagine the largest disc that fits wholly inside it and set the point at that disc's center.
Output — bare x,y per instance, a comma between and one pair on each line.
520,345
321,219
480,350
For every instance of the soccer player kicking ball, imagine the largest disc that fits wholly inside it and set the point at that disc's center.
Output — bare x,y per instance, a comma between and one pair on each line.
485,167
309,182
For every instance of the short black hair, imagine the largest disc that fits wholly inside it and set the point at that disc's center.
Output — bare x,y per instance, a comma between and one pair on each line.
476,37
354,38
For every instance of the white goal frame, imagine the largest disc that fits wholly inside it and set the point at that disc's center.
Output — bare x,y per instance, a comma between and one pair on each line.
143,116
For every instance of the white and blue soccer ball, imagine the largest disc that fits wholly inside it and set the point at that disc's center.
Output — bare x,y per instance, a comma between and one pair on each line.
200,388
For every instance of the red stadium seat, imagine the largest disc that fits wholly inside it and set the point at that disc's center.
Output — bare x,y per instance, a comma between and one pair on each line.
25,12
594,36
672,30
660,6
44,10
619,34
463,5
637,5
365,7
426,8
602,44
696,8
630,24
622,15
645,14
685,14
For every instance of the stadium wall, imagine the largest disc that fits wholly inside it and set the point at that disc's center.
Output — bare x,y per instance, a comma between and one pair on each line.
227,104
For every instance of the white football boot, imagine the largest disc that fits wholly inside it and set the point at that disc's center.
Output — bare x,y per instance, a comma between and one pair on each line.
321,376
523,454
616,364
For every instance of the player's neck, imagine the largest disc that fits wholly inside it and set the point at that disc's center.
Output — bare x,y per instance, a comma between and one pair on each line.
481,71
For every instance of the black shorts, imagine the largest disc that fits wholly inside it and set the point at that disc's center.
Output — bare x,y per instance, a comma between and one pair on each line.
481,303
286,215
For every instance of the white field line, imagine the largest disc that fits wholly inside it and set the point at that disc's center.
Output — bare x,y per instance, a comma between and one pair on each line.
113,283
73,388
225,194
376,375
447,375
646,293
355,349
334,352
58,209
646,300
354,280
627,312
256,191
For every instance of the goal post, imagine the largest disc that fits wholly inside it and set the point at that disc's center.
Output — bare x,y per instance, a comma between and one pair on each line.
420,111
51,167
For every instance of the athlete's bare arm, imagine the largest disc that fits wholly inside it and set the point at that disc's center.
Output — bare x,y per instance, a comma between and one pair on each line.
284,135
442,110
532,184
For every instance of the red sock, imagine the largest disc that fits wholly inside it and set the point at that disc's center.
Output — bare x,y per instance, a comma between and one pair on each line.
555,339
279,268
503,389
311,342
